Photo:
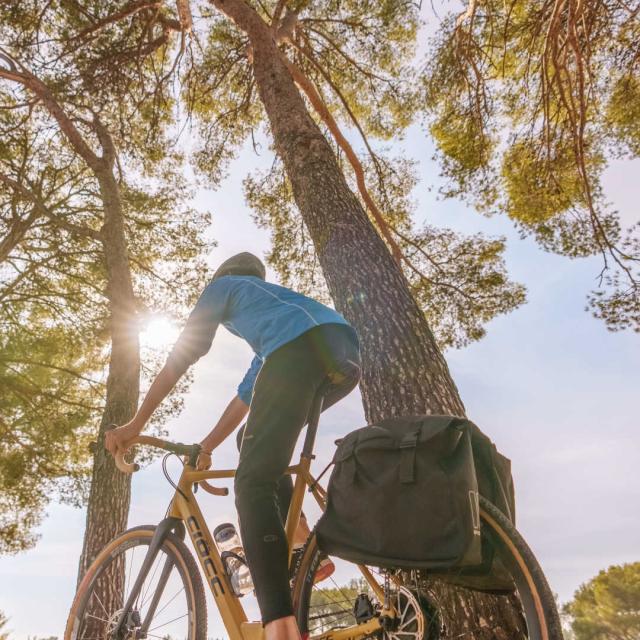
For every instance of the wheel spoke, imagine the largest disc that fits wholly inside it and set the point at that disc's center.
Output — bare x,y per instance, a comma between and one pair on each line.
316,606
148,587
408,620
90,615
164,624
331,614
170,601
97,597
133,555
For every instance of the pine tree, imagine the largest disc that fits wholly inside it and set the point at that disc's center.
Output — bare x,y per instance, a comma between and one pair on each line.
123,239
528,102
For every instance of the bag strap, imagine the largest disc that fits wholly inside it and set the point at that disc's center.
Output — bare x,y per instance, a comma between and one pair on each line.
408,456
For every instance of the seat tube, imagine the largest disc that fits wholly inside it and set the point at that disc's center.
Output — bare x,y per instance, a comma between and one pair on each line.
295,507
312,425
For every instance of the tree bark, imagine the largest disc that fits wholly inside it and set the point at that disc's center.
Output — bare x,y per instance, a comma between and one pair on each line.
109,498
403,370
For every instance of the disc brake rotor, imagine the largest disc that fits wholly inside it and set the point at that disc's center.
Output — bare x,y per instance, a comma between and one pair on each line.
411,617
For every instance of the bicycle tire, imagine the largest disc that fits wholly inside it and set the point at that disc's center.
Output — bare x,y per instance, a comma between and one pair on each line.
173,547
539,607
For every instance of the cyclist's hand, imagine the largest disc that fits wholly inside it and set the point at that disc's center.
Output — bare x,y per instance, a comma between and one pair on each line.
119,440
204,461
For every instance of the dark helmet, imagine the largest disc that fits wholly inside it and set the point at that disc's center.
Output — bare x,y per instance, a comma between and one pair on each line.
242,264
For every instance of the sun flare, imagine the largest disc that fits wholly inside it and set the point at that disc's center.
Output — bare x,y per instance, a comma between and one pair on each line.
159,333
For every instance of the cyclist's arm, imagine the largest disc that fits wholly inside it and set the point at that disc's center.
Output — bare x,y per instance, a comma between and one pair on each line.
194,342
158,391
232,416
119,440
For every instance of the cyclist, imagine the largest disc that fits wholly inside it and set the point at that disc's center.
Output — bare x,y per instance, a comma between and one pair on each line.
300,345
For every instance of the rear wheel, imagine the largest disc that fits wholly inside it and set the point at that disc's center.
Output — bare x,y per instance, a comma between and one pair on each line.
170,603
341,601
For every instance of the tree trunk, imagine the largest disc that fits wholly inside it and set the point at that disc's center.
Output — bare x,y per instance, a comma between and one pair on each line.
403,369
108,507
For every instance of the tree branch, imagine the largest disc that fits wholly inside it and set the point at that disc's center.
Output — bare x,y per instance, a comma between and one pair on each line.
16,233
129,10
47,365
43,210
42,91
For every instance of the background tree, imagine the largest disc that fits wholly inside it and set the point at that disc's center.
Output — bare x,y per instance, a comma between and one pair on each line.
608,606
138,242
528,103
49,357
45,413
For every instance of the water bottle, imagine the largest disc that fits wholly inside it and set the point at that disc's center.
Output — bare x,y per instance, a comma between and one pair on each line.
232,556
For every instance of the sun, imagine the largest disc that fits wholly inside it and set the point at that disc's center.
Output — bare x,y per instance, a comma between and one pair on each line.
158,333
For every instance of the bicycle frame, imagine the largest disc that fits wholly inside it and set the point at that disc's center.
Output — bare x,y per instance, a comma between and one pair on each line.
185,508
184,514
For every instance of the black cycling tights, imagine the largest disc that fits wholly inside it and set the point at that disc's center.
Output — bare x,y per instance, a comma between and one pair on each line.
285,388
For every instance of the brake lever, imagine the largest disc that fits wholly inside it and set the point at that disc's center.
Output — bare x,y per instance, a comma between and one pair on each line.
215,491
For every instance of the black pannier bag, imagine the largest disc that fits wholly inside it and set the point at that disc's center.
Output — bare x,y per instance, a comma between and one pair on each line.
403,494
495,483
380,513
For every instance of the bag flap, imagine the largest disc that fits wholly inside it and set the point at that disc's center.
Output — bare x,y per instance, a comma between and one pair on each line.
372,436
394,433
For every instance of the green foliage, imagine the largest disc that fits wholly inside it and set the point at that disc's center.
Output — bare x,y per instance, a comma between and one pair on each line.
527,102
623,113
608,606
538,188
218,89
46,407
108,78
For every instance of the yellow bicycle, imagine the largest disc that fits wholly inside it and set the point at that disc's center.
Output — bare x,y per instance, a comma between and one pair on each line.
146,583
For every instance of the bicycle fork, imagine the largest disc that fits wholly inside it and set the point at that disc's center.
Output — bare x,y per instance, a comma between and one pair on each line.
164,528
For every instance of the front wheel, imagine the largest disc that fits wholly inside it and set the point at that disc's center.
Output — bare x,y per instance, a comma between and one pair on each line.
346,599
170,602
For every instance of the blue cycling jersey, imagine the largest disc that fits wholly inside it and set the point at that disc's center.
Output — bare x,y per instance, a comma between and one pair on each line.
264,314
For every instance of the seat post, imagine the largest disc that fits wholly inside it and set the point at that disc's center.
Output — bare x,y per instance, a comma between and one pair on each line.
312,424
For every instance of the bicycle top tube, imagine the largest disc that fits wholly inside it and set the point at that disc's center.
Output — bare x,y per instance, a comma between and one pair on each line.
189,450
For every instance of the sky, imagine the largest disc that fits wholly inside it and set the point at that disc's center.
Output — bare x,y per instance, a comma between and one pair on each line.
549,384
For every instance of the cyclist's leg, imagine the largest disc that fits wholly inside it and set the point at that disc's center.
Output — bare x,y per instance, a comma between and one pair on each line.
281,400
336,348
284,488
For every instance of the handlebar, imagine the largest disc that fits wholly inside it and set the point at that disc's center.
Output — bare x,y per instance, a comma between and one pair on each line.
191,451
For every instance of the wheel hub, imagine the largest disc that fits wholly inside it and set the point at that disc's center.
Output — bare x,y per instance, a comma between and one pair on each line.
129,629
